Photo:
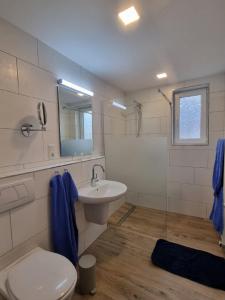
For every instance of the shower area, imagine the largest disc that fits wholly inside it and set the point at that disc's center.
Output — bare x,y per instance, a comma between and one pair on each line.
136,148
169,184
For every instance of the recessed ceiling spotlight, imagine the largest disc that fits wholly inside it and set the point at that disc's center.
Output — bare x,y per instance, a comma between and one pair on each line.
161,75
129,15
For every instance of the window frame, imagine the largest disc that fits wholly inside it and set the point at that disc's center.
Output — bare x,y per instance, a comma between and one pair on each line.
188,92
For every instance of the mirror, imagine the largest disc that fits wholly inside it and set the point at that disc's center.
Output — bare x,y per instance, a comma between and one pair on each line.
75,116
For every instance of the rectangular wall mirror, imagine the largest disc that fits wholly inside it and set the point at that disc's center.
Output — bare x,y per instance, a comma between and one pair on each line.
75,116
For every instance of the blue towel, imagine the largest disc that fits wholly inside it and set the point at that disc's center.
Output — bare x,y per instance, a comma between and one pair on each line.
62,227
217,182
72,197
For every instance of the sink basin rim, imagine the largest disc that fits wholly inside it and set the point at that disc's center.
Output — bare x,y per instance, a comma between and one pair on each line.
89,194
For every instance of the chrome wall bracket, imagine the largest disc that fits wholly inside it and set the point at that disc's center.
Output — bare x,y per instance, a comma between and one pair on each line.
27,129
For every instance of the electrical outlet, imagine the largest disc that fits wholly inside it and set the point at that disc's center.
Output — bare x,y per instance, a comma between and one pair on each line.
51,151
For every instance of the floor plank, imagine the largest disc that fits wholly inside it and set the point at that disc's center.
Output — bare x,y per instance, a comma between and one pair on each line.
124,270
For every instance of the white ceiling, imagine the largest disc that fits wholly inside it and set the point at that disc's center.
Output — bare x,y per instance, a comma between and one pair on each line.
185,38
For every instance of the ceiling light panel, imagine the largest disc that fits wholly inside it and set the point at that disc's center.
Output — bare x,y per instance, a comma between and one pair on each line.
161,75
129,15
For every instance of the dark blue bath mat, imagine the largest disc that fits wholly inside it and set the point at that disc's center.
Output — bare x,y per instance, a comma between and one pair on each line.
196,265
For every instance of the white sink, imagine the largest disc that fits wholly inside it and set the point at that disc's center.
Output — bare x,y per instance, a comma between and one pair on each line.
96,199
104,191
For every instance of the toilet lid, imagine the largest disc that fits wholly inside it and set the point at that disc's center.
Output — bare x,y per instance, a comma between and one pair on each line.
42,275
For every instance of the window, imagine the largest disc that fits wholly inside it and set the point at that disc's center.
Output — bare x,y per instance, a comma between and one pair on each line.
190,116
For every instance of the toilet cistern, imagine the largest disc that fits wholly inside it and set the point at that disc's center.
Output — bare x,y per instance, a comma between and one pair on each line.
94,178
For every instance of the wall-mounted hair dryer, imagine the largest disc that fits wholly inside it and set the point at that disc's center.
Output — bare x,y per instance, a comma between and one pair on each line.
27,128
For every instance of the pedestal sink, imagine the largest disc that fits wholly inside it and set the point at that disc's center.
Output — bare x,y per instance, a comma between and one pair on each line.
96,199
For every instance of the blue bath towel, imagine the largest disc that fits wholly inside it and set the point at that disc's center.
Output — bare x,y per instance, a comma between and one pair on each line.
62,227
72,198
217,182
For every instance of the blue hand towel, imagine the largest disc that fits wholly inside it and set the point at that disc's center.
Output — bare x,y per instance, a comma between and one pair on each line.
217,182
72,197
62,231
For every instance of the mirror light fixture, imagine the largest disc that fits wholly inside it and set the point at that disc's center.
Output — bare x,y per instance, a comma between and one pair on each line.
75,87
129,15
161,75
119,105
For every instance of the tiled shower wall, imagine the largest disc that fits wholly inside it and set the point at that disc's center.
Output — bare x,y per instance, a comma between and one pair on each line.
29,71
189,169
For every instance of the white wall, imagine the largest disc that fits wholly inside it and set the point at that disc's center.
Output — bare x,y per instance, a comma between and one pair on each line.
28,74
189,167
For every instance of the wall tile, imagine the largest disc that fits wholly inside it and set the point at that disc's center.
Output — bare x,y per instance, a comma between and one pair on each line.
52,116
189,158
16,149
131,127
191,208
216,121
29,220
217,102
211,159
76,172
97,123
203,176
155,109
181,174
174,190
165,126
51,138
107,125
36,82
18,43
151,125
5,233
98,144
97,104
197,193
16,109
8,73
118,126
42,179
217,83
152,201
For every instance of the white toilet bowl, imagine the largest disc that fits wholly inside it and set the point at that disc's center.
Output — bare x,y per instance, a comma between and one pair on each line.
40,274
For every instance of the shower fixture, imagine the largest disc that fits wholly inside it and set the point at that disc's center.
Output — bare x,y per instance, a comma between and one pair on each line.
27,128
138,107
165,97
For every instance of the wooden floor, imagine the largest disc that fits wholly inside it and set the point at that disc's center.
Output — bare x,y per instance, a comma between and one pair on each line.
124,270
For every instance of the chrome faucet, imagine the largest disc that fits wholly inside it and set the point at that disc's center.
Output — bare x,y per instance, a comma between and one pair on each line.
94,177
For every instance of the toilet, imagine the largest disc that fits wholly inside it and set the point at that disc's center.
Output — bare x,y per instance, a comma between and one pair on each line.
39,275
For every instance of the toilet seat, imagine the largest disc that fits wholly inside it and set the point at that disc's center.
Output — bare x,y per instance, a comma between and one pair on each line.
41,275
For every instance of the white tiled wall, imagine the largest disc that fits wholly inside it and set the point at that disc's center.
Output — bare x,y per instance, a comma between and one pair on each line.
29,71
189,167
